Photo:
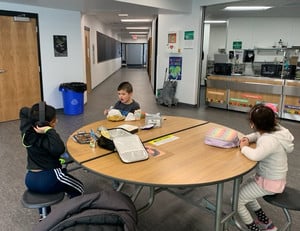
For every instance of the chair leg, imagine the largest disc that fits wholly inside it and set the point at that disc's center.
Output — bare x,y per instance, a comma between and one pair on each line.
287,225
44,212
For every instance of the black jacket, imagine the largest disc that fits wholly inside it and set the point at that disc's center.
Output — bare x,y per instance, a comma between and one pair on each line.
43,150
105,211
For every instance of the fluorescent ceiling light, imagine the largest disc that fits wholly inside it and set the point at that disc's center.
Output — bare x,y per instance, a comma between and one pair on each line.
246,8
138,32
137,28
215,21
123,15
136,20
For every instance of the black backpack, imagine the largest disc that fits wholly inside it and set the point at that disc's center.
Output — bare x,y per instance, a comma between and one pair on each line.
104,211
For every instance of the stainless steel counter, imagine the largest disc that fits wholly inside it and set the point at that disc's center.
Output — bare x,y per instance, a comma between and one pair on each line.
240,93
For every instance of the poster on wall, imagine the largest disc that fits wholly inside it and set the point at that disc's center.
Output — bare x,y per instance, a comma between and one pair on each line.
60,45
188,39
175,68
173,45
172,37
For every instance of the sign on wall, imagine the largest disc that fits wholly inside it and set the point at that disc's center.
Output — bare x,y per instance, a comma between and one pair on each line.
237,45
188,39
175,68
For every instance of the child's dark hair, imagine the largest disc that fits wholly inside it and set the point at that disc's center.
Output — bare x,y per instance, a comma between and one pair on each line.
50,113
125,86
263,118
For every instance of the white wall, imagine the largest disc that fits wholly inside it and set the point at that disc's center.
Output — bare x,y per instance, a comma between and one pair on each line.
99,71
187,88
217,39
256,33
56,70
263,33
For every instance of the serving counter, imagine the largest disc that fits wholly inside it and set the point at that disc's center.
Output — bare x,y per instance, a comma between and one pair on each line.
240,93
291,100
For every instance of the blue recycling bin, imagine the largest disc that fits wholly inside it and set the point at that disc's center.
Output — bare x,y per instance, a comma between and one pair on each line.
73,97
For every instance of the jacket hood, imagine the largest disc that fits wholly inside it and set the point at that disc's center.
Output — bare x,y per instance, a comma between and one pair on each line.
285,137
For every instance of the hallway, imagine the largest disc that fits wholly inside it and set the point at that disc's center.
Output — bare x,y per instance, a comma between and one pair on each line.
168,212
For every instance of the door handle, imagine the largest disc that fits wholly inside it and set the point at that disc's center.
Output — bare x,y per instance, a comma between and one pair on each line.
2,71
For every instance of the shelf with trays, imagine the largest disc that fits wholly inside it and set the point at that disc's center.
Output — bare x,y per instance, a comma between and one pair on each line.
276,50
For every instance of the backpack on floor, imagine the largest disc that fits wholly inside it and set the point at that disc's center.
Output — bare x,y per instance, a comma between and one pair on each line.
167,93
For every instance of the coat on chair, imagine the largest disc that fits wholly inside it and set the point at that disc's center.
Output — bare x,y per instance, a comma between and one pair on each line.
105,210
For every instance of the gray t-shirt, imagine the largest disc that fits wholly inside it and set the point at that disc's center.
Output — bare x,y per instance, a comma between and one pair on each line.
126,108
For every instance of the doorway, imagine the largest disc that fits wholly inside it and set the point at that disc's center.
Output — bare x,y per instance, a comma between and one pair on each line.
20,78
134,55
87,59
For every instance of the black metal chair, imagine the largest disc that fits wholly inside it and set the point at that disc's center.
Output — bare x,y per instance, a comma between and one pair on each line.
33,200
288,200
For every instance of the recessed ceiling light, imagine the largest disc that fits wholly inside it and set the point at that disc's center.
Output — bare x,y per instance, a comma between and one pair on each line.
136,36
137,28
246,8
137,20
215,21
123,15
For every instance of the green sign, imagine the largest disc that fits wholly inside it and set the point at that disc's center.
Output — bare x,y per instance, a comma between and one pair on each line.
189,35
237,45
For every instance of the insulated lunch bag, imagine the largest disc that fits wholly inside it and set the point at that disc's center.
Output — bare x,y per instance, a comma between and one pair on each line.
222,138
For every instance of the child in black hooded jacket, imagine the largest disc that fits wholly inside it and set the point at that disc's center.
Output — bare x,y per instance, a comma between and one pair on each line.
44,149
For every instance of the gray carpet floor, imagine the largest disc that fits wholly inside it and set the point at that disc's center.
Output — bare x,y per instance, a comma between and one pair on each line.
169,212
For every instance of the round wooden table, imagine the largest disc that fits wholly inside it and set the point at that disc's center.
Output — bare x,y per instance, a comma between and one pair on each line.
182,159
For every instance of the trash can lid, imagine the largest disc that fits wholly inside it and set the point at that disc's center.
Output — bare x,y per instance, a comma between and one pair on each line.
74,86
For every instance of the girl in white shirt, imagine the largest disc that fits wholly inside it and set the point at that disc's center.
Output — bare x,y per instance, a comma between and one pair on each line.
273,143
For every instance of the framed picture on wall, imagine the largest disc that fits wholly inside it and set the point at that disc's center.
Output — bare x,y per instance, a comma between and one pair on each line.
60,45
172,37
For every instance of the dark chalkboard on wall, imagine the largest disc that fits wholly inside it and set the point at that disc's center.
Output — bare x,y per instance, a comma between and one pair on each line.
107,48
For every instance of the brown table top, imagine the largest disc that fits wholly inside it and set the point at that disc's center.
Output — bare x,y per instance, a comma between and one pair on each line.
185,160
170,124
